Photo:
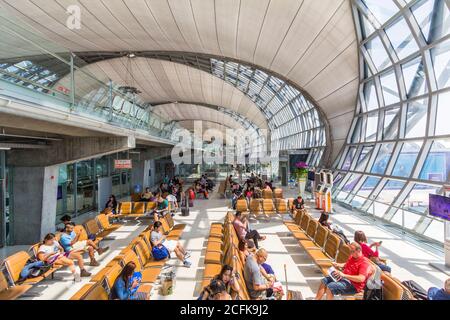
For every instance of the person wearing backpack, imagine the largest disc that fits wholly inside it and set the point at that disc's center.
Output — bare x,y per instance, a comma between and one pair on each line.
161,247
51,253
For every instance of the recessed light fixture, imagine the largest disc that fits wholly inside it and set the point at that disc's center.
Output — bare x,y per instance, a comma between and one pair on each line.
131,55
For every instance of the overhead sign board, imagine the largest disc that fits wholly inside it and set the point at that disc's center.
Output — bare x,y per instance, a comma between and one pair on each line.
122,164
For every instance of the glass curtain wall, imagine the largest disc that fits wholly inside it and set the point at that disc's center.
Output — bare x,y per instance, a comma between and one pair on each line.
398,151
78,184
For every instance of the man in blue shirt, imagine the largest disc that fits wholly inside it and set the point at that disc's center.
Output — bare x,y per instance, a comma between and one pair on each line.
70,242
440,294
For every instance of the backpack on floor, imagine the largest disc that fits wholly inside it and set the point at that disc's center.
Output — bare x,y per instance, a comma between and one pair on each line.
417,291
373,294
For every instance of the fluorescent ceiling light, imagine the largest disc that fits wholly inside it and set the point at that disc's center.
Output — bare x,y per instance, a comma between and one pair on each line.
1,148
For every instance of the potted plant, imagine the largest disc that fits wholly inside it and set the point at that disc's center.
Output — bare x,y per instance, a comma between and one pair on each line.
301,175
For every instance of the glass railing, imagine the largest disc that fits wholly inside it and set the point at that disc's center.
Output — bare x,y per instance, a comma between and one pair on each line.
33,62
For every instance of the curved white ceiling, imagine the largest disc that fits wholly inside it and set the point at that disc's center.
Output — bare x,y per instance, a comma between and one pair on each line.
164,81
311,42
189,112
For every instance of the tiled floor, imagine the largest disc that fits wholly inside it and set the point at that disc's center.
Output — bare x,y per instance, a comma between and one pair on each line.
408,259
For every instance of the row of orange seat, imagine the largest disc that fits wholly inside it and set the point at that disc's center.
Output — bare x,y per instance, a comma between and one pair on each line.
267,207
12,287
223,249
139,252
325,247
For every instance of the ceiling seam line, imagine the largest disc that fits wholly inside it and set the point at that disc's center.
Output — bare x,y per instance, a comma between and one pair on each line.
315,38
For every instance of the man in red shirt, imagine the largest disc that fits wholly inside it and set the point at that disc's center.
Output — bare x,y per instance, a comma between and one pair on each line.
351,280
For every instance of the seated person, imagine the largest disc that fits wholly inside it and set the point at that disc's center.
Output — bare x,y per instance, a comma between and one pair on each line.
257,193
257,287
52,253
228,277
323,220
217,291
367,251
147,195
351,280
299,203
161,244
243,231
111,205
126,286
173,200
440,293
162,208
202,190
65,220
70,243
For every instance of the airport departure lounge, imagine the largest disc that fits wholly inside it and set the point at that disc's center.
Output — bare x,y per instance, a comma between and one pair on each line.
235,150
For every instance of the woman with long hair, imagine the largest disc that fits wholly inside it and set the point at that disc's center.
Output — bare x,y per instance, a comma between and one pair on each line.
126,285
368,252
228,277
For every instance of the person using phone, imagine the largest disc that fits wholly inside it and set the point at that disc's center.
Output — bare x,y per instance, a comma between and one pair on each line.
124,289
351,280
228,277
368,252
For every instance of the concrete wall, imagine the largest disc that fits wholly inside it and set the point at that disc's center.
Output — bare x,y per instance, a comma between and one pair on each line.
34,205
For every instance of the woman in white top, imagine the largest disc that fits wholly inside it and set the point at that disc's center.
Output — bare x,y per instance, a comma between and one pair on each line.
52,253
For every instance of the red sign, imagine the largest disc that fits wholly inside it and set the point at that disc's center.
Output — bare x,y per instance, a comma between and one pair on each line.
122,164
62,89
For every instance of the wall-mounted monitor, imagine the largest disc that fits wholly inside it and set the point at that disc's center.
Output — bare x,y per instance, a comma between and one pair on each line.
439,206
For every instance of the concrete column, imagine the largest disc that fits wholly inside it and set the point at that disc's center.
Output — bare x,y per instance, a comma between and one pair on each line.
139,173
152,169
34,205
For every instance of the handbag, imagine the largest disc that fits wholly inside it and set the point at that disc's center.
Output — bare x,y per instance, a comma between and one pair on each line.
160,253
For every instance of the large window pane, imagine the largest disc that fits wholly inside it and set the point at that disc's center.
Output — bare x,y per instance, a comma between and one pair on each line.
383,157
390,191
65,201
372,126
437,164
383,10
433,18
391,120
349,158
416,118
417,199
390,89
414,75
378,53
368,186
443,114
85,187
435,230
441,62
370,96
366,153
402,39
366,27
407,159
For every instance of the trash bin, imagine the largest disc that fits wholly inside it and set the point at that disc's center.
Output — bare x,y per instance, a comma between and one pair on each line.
167,283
